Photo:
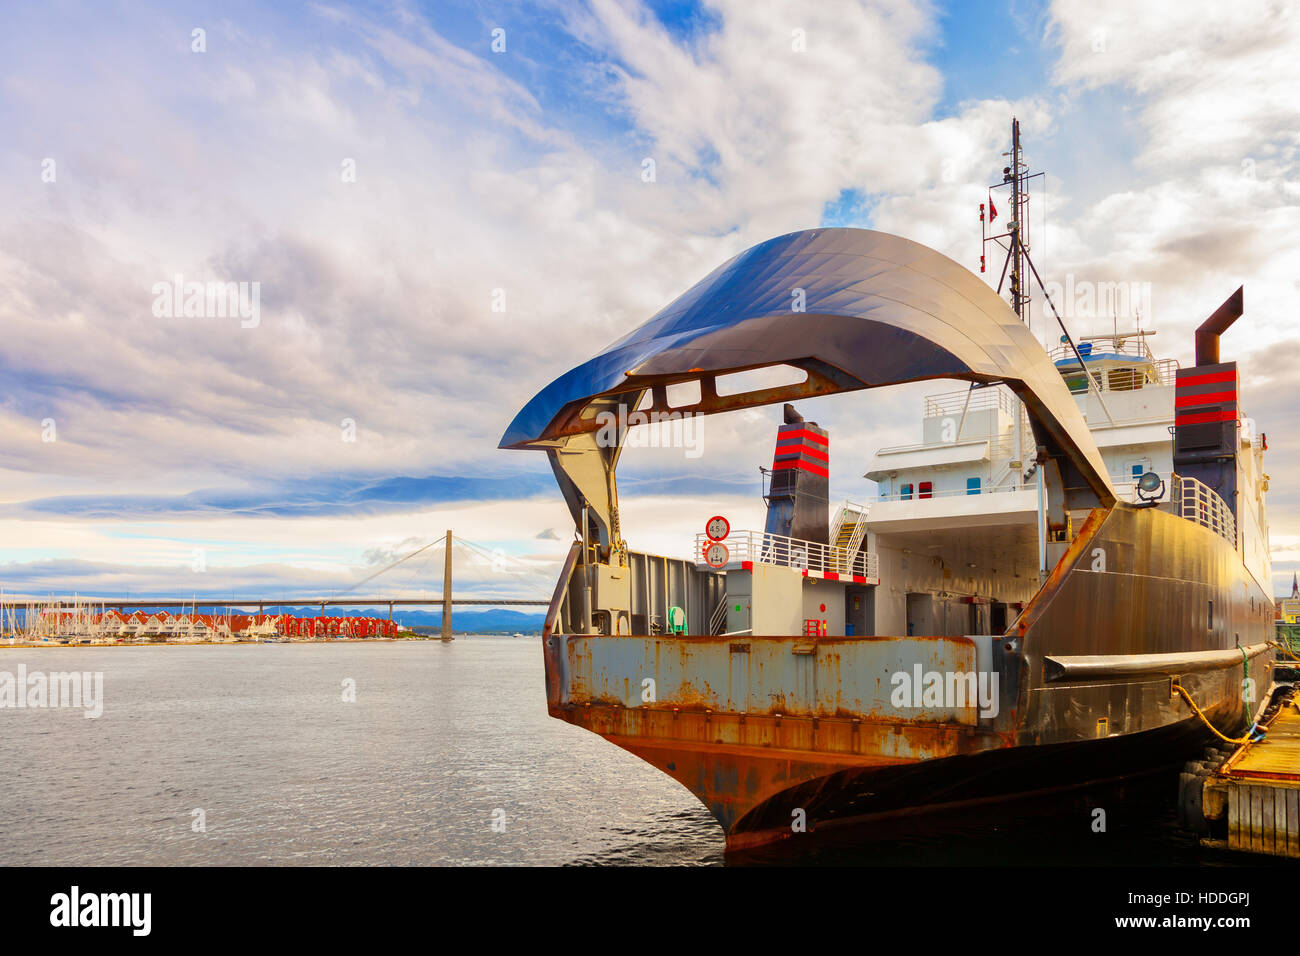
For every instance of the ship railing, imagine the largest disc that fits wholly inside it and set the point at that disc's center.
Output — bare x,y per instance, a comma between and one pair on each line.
999,445
1199,502
1003,444
917,495
1131,345
970,399
1122,378
761,547
927,445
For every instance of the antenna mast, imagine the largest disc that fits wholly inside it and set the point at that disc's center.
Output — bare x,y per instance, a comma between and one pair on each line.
1018,174
1016,239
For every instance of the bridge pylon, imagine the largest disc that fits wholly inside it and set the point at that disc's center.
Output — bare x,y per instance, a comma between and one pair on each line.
446,590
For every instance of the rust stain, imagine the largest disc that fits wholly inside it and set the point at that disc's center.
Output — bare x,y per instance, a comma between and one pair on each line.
735,762
1055,580
736,753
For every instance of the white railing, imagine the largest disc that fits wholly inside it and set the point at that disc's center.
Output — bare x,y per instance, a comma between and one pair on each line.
856,515
1200,503
1004,446
760,547
984,489
1000,445
1122,378
953,403
1125,488
928,445
1134,346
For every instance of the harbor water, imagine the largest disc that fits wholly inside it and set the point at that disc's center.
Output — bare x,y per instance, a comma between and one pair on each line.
254,755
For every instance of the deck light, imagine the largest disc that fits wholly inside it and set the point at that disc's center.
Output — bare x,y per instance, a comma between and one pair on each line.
1150,487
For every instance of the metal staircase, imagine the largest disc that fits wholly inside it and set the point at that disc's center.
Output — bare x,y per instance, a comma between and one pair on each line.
1007,472
847,532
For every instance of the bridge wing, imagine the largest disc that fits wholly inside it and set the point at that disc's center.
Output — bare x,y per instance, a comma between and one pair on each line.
877,310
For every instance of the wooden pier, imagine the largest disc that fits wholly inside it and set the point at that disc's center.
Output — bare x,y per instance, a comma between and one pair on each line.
1251,802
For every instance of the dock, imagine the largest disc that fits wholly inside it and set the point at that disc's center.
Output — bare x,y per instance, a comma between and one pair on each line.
1251,801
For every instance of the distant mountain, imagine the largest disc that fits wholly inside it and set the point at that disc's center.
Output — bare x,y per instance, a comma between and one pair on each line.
472,622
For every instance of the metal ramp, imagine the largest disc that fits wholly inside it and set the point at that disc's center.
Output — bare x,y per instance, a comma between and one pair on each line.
847,532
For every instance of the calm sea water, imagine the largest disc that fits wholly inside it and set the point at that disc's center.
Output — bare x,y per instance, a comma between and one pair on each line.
441,739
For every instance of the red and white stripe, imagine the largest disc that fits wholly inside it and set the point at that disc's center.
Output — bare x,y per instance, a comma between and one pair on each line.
824,575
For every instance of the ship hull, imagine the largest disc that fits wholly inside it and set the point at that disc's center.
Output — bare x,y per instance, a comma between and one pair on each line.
857,800
779,736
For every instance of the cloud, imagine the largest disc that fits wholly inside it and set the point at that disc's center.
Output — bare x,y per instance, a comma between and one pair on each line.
499,230
313,496
377,295
1213,81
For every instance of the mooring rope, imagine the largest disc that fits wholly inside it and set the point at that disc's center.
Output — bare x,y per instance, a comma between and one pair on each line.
1285,650
1227,740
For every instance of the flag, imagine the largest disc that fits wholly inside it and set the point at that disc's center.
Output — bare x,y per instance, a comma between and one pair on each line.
993,210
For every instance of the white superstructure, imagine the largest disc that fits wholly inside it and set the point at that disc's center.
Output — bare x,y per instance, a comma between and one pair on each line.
955,523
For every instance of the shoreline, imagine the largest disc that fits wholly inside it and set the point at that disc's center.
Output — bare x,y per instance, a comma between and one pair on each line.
5,645
359,640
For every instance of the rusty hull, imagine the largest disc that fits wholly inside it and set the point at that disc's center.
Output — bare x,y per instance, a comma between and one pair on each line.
739,722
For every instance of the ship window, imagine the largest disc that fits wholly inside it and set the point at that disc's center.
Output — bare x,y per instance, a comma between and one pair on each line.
925,490
1210,616
905,491
972,486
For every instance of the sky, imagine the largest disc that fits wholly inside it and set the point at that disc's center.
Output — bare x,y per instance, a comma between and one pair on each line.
443,206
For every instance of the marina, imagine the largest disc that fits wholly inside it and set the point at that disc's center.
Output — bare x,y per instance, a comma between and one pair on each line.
46,624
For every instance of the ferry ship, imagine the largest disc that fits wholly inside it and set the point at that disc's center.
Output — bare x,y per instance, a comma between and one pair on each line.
1066,580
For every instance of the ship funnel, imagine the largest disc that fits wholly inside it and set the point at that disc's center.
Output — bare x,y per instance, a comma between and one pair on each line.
1206,410
1207,336
797,500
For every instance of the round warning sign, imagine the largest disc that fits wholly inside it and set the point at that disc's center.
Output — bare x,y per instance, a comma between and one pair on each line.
716,555
717,528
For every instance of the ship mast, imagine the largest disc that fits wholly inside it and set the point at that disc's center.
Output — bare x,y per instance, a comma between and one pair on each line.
1015,240
1017,173
1017,177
